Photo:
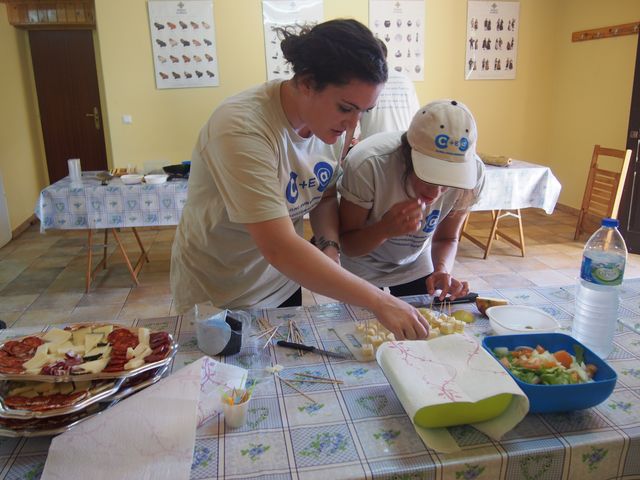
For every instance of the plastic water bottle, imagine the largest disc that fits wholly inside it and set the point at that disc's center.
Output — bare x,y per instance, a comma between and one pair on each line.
597,295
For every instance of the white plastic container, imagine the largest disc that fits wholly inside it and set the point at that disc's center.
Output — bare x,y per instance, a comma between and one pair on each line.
597,293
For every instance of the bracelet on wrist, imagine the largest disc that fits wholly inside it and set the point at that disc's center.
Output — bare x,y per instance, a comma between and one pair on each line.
324,244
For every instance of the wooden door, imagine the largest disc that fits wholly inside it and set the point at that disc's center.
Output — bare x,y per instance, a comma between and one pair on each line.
630,205
67,84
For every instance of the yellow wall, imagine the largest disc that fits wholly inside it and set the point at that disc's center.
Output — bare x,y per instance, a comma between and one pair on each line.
592,94
565,98
21,155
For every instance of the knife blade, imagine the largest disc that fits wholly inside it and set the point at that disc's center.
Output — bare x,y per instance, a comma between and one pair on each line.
469,298
310,348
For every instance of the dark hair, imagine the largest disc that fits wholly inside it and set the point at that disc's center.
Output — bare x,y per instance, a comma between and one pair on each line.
383,46
334,52
465,199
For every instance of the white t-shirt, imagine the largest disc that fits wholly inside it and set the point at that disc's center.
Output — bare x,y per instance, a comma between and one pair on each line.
395,108
248,166
374,178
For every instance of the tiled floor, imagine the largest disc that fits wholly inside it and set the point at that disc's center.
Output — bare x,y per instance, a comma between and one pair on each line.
42,276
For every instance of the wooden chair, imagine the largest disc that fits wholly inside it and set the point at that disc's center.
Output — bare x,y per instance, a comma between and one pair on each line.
604,189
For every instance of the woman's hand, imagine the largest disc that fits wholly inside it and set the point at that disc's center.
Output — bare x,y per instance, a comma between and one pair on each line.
448,285
402,319
402,218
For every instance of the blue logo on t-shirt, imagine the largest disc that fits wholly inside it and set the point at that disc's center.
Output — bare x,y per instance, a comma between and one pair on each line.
431,222
323,172
292,188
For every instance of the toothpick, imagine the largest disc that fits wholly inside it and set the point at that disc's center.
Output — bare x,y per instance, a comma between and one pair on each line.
309,380
275,330
318,377
290,385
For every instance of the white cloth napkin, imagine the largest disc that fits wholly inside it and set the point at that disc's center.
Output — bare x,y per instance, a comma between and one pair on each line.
447,369
150,435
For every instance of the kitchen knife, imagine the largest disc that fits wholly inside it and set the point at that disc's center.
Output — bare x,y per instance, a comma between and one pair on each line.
309,348
469,298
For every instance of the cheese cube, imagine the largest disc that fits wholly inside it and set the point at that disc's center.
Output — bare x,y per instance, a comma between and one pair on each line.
433,333
367,351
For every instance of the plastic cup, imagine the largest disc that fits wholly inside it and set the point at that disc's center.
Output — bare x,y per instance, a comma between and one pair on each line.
235,414
75,170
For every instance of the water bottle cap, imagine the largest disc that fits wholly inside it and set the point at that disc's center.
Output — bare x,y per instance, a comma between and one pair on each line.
610,222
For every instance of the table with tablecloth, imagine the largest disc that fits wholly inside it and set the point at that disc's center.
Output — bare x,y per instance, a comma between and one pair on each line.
359,429
91,205
508,190
72,206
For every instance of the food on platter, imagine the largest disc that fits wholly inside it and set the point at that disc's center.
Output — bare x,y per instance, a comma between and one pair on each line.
35,427
485,302
364,338
23,399
540,366
441,323
83,349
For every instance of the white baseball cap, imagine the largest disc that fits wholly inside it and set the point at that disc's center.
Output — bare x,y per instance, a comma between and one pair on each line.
443,136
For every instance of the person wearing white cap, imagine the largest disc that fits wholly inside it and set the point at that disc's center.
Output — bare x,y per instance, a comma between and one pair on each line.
404,197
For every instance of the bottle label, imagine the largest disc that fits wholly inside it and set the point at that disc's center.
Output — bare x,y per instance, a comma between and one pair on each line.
602,272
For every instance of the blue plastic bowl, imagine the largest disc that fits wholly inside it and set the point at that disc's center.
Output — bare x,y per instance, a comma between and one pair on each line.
559,398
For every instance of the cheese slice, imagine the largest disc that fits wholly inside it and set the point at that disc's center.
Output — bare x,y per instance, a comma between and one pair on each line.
57,335
98,350
91,340
66,388
45,387
95,366
140,349
79,334
38,360
134,363
143,335
106,329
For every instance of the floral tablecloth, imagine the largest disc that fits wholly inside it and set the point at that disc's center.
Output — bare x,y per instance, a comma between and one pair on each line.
520,185
91,205
359,429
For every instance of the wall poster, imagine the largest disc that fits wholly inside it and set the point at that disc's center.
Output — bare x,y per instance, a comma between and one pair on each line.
400,24
492,40
183,40
282,13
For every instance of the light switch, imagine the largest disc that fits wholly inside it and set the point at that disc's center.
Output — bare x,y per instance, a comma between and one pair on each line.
127,119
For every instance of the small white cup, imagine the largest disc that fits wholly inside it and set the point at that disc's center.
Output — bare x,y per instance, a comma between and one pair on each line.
235,415
75,170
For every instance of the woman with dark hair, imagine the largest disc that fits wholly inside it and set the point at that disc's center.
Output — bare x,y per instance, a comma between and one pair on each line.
265,158
404,197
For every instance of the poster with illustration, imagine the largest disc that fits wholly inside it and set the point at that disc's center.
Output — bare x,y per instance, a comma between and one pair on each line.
400,25
293,14
492,40
183,43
